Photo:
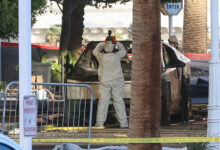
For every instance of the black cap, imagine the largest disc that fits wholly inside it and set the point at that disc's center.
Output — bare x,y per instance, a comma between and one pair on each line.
109,37
109,32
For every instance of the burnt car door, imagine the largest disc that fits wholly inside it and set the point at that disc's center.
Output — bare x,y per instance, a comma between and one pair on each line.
174,84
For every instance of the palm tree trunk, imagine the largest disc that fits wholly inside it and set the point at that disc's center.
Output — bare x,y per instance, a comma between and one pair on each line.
195,26
66,22
72,25
145,96
77,26
72,30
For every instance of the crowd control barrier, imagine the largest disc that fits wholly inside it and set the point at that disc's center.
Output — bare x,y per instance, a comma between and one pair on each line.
57,115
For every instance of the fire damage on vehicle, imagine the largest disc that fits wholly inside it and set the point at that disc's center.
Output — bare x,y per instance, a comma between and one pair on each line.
175,80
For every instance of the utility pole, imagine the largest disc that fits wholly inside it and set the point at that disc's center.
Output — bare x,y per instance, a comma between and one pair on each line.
0,60
24,65
213,122
170,25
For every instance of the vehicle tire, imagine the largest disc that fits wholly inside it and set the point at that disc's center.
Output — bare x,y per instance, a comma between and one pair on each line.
186,99
165,102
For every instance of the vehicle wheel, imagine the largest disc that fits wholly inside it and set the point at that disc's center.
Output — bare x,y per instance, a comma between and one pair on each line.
165,102
186,99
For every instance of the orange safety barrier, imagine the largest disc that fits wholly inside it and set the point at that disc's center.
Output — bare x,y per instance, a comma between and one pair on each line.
198,56
189,55
33,46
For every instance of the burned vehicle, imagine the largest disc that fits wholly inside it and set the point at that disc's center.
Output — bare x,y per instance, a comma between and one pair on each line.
174,78
199,84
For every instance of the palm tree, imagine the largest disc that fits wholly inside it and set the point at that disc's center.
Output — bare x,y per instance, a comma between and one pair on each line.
145,96
195,26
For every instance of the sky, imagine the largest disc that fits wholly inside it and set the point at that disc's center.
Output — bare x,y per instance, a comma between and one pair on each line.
118,16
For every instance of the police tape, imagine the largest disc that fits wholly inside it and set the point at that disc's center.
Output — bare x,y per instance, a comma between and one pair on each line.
199,105
53,128
131,140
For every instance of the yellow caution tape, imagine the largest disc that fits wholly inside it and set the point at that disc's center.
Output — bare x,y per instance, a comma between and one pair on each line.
131,140
199,105
53,128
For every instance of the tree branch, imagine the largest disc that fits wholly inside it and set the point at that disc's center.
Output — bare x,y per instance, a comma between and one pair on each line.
97,2
58,4
58,1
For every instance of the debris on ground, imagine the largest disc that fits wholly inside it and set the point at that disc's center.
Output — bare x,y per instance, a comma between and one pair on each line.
68,146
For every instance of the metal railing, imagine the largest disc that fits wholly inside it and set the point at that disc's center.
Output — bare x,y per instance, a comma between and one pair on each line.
59,115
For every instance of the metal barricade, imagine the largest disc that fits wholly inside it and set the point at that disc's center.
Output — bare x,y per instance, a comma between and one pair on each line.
58,115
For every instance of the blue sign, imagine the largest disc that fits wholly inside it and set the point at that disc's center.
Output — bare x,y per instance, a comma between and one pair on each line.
171,8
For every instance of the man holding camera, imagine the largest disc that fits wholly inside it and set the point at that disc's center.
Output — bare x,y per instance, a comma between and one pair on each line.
109,54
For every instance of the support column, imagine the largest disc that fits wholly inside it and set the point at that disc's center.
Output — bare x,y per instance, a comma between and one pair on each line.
24,65
0,60
213,122
170,25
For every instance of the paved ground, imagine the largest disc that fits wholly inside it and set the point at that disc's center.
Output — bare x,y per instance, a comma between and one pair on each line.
179,129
